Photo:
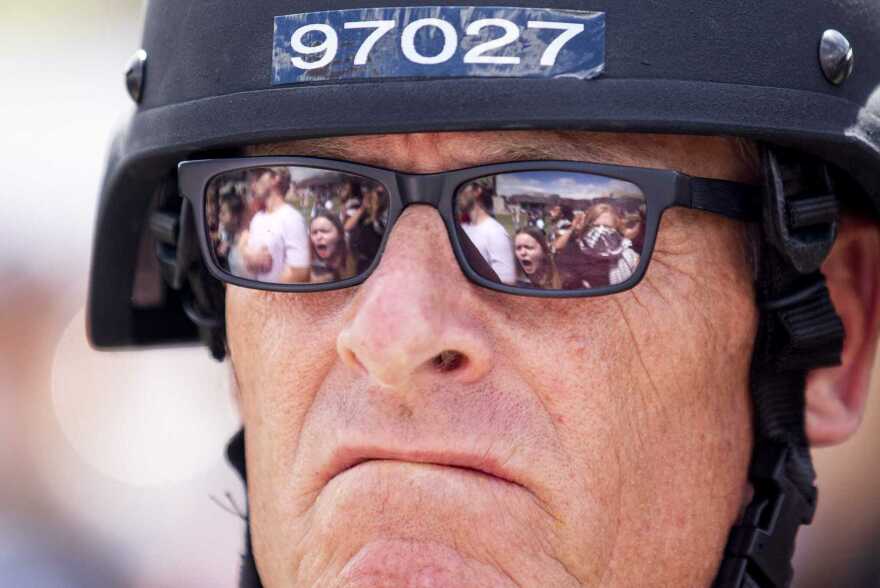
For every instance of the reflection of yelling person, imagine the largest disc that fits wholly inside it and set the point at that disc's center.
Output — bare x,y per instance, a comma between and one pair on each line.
488,236
535,258
329,250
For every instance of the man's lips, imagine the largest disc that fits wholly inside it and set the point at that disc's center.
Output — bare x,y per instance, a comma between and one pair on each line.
345,459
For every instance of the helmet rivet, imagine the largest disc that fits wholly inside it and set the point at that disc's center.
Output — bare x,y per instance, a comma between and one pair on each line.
835,56
135,75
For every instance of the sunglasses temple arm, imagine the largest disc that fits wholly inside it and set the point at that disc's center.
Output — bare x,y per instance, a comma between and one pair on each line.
733,200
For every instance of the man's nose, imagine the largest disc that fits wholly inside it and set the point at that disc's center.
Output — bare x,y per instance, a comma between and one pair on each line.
417,316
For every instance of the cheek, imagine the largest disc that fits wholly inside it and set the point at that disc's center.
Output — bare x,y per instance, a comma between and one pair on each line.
649,393
689,329
282,346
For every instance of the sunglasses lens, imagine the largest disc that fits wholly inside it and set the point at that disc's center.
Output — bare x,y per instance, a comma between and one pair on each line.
552,230
295,225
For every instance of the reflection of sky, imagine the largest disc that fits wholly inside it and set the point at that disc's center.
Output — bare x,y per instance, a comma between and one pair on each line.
574,185
301,174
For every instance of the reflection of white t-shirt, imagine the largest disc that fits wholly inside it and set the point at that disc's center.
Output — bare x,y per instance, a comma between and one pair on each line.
284,233
494,244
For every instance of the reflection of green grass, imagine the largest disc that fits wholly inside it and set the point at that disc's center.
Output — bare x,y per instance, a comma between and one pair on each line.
506,221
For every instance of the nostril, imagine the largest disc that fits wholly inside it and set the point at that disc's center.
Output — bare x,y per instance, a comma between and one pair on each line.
447,361
352,360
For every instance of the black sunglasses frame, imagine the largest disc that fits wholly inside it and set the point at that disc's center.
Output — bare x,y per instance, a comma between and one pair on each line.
662,189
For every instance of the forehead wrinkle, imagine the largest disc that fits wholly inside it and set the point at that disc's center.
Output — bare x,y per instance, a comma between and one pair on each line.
457,149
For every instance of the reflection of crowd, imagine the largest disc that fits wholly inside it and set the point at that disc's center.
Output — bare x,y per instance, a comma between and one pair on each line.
558,246
257,224
259,234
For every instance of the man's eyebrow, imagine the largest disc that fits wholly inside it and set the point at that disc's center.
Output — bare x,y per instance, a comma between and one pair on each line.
333,148
544,148
487,148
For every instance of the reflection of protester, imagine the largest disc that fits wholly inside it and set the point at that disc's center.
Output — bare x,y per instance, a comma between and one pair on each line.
348,193
331,259
212,225
366,225
631,228
277,247
535,259
487,235
231,233
558,225
596,254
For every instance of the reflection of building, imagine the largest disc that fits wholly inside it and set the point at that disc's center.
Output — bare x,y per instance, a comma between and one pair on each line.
319,191
539,198
630,201
534,205
499,204
323,182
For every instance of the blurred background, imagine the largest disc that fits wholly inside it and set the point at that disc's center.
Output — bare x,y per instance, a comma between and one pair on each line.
112,465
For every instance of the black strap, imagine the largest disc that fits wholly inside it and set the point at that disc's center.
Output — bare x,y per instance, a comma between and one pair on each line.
798,330
248,576
731,199
202,297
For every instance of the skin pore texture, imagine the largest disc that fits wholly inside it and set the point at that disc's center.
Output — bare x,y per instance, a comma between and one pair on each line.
576,442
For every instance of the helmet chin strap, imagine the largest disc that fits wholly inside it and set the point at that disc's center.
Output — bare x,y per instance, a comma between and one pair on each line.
798,330
248,578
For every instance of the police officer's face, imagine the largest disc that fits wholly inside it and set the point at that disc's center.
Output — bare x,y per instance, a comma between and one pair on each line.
422,431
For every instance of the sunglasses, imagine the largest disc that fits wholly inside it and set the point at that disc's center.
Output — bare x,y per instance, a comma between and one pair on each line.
537,228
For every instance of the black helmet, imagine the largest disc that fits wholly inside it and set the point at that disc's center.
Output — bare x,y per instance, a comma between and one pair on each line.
799,77
775,72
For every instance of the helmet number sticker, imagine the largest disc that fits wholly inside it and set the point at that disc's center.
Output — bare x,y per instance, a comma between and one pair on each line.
438,42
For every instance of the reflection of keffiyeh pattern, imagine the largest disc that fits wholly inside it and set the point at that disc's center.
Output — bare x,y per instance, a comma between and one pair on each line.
602,241
626,265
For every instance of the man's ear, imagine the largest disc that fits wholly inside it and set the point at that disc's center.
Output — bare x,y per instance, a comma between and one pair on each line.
836,396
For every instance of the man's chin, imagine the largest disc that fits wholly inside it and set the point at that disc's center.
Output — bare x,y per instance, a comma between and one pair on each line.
402,562
400,519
